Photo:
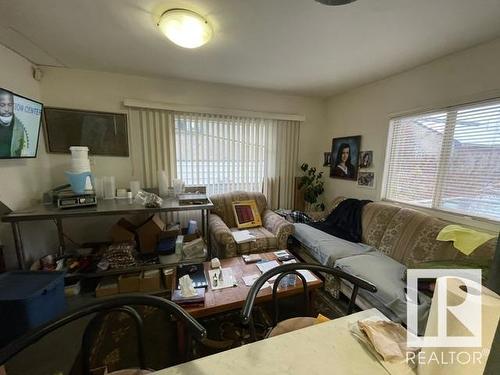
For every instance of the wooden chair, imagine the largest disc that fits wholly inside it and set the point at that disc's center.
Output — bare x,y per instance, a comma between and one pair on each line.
102,308
292,324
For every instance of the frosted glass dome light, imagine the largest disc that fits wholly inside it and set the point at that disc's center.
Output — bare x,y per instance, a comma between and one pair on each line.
185,28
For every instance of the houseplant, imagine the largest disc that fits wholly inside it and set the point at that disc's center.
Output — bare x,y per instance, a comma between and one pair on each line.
312,185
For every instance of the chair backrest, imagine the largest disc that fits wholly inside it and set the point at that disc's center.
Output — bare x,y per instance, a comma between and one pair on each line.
120,303
292,268
223,204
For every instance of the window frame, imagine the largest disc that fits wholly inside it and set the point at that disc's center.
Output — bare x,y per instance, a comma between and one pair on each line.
470,219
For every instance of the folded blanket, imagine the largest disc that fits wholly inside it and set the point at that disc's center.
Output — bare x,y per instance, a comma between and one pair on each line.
344,221
464,239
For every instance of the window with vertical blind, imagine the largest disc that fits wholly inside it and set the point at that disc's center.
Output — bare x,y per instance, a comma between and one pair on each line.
447,160
224,153
227,153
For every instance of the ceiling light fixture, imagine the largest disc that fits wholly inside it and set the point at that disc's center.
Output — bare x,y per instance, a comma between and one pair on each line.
335,2
185,28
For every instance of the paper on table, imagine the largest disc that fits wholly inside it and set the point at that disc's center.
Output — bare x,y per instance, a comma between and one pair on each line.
266,266
250,280
307,274
227,280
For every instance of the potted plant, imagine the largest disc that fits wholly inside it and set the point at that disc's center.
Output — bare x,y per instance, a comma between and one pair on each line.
312,185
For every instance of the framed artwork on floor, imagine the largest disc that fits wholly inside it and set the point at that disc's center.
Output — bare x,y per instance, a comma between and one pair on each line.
345,157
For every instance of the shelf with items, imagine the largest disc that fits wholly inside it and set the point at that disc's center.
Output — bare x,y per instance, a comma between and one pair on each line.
115,207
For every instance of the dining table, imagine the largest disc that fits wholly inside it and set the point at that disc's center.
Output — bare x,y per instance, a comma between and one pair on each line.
325,348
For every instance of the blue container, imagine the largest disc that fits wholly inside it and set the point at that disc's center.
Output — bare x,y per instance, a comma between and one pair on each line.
27,300
78,181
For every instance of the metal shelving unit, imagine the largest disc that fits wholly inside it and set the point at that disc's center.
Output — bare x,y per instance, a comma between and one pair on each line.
104,208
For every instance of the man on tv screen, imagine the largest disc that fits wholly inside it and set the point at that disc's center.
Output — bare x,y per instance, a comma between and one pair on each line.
12,131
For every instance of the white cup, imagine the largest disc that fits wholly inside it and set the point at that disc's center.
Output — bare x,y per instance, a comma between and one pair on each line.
135,186
109,187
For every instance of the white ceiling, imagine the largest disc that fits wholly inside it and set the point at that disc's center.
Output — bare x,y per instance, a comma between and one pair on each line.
297,46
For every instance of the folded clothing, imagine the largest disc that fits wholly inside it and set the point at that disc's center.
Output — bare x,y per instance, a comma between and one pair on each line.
465,240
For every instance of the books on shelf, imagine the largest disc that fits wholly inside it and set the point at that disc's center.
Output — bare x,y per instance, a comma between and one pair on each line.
243,236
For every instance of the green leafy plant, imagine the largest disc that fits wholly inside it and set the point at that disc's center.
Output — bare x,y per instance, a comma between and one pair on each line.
312,184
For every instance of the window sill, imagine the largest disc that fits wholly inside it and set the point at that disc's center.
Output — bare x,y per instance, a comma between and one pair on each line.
487,225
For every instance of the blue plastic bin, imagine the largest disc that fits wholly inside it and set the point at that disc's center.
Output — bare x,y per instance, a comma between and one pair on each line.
27,300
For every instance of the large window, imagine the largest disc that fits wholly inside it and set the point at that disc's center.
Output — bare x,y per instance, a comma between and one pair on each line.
224,153
447,160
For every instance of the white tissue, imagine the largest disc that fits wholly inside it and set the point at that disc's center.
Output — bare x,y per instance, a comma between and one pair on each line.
186,285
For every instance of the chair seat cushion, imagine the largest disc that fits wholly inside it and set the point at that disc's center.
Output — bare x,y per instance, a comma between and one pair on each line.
265,241
292,324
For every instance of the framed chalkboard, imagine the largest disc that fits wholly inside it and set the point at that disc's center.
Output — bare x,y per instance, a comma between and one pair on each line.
103,133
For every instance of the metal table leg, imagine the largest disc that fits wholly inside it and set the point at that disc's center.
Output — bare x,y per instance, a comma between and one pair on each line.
21,258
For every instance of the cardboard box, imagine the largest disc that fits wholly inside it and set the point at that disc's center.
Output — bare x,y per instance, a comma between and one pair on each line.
148,233
108,286
150,281
123,231
129,283
168,277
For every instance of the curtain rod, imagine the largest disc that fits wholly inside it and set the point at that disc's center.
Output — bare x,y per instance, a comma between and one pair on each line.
211,110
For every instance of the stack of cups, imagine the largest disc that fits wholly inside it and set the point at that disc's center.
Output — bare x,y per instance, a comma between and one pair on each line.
80,162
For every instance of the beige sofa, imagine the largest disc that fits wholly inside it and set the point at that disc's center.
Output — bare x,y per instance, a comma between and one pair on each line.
272,235
394,239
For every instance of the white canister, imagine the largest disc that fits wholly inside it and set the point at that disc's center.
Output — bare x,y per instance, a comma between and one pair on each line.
79,152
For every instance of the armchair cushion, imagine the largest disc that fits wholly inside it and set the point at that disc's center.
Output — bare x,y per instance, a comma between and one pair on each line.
223,204
265,241
278,226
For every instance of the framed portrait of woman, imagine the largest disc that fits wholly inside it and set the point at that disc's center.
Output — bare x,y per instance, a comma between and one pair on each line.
344,157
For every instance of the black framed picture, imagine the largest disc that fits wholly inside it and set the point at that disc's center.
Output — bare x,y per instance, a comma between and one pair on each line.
104,133
345,157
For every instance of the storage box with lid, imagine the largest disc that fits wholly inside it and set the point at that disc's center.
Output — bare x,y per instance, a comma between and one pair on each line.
28,300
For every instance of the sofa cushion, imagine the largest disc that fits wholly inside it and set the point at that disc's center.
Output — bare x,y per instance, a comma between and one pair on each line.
376,217
265,241
387,275
223,204
326,248
410,238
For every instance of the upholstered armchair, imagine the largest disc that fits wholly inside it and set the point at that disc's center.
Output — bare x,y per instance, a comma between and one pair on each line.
271,236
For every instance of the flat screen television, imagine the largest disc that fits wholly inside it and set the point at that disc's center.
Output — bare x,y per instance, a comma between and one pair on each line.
20,122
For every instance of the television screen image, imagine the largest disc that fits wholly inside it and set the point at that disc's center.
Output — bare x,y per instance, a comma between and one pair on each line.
20,120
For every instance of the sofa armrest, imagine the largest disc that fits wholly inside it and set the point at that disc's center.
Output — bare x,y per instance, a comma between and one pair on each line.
278,226
221,237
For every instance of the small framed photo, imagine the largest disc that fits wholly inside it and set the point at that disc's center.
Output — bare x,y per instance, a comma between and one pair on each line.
365,159
344,157
366,180
327,160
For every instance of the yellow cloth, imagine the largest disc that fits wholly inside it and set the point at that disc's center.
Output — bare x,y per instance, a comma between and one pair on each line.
464,239
321,319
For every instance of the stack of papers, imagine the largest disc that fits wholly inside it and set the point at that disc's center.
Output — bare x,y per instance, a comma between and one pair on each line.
242,236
